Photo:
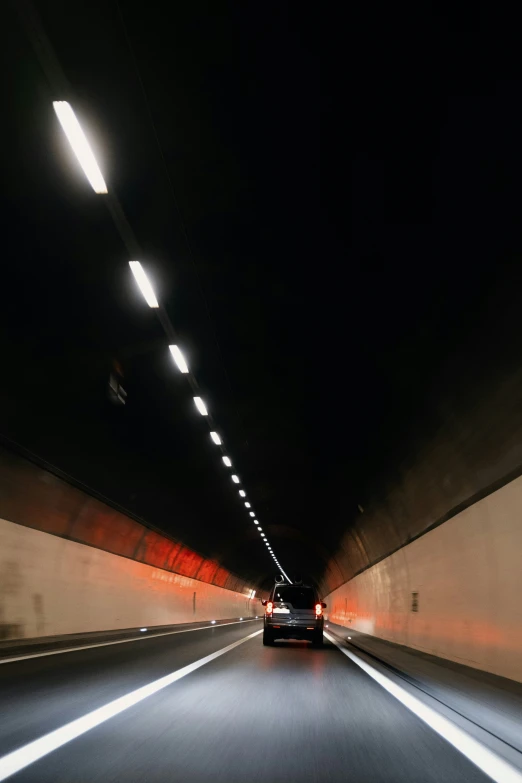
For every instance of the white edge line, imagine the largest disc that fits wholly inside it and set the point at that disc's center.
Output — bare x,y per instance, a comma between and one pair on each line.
19,759
119,641
486,760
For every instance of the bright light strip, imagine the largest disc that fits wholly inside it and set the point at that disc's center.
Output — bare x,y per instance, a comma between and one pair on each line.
143,283
242,493
251,513
256,522
21,758
80,145
486,760
227,461
247,504
215,437
263,535
235,479
259,528
200,405
179,359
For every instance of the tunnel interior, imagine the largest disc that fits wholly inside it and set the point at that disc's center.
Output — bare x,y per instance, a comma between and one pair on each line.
361,406
275,336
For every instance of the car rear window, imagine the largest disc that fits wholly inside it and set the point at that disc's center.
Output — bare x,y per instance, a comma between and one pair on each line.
299,597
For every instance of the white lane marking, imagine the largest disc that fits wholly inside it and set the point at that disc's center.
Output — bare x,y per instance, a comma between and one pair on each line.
492,765
118,641
33,751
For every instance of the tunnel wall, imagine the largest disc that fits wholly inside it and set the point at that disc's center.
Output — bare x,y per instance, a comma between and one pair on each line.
72,563
37,498
466,444
454,592
52,586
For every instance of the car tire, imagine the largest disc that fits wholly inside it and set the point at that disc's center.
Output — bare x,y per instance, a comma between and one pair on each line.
268,638
317,639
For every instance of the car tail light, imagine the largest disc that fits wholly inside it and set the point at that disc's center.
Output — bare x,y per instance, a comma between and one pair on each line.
318,610
269,607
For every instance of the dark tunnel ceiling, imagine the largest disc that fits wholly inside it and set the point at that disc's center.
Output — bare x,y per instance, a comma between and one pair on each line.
348,211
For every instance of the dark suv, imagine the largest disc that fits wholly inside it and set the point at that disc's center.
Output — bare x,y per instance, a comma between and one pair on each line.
293,612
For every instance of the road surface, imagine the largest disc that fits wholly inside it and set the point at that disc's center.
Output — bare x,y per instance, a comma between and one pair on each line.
252,714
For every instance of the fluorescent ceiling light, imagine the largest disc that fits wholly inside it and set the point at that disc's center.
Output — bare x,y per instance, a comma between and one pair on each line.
80,145
247,504
227,462
242,493
200,405
235,479
143,283
251,513
179,359
215,437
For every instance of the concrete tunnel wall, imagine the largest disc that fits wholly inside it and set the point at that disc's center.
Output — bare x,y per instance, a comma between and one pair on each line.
468,445
70,563
455,592
52,586
445,519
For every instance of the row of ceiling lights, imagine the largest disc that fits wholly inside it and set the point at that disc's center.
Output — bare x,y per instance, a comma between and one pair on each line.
85,156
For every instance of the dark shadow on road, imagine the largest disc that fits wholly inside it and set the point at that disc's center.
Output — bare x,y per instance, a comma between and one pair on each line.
306,647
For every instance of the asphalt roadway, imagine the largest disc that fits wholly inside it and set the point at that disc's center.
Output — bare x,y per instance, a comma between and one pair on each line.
252,714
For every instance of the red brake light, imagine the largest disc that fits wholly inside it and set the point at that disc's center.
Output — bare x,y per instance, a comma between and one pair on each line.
269,607
318,610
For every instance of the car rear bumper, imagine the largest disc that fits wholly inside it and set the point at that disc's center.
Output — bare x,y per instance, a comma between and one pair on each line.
296,629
